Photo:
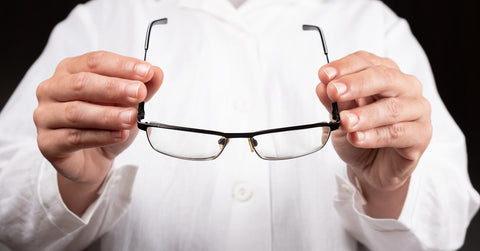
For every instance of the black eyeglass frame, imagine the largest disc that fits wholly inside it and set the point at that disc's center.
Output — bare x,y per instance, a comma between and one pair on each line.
333,125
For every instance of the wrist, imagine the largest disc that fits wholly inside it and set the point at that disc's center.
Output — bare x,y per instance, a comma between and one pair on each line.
381,203
77,196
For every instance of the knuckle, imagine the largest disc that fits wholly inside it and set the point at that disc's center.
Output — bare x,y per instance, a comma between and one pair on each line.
40,91
79,81
429,133
368,57
387,73
393,108
110,115
373,59
37,116
417,86
362,54
94,59
423,140
111,89
74,137
47,144
63,64
429,129
389,62
160,73
127,64
414,83
390,134
110,86
43,142
395,132
427,105
72,112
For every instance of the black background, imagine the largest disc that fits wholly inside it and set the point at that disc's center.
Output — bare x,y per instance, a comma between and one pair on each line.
448,31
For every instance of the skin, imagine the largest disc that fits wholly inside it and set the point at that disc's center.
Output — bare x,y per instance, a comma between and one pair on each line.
86,117
385,126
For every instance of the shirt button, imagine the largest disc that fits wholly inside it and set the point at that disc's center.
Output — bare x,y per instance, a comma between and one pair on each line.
242,192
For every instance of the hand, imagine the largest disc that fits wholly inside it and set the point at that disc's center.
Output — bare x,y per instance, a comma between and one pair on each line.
385,125
86,116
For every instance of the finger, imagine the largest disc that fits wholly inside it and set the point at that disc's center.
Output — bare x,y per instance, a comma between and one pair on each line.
321,91
82,115
377,81
352,63
63,141
327,102
92,87
154,84
384,112
399,136
108,64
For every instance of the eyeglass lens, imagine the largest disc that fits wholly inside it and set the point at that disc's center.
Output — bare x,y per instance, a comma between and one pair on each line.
201,146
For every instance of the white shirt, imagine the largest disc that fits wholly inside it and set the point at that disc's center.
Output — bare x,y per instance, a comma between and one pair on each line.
233,70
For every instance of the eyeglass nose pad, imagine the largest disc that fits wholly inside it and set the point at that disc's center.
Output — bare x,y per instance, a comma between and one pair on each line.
223,142
253,143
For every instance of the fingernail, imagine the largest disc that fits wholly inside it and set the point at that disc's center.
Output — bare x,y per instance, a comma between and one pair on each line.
330,72
132,90
126,117
341,88
142,69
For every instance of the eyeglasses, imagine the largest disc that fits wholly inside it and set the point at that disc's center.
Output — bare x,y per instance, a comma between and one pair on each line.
272,144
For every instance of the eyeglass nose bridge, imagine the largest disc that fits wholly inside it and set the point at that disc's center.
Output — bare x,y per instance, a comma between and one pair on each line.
223,142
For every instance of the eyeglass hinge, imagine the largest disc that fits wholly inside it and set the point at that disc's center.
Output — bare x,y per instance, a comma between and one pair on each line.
141,111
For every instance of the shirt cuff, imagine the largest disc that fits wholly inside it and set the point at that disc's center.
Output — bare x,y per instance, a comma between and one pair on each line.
117,186
349,202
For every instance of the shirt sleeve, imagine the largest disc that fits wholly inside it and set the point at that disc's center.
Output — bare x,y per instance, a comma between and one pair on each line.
441,200
32,213
34,217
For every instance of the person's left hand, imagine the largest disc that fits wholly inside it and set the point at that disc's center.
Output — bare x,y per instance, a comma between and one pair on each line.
385,123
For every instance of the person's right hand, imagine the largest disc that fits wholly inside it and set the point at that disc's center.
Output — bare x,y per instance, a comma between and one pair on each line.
86,116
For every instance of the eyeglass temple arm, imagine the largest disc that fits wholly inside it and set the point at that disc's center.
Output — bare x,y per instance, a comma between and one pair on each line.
141,106
149,30
322,37
335,113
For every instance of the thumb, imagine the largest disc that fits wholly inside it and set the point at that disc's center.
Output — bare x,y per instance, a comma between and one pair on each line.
322,95
154,83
